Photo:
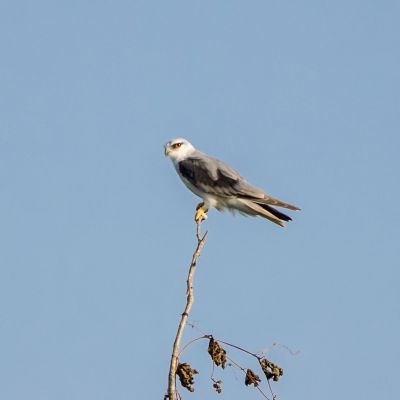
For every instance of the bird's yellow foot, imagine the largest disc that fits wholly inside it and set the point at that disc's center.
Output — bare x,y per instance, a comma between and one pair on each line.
200,215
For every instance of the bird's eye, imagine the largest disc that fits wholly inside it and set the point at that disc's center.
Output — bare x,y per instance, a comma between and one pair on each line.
176,145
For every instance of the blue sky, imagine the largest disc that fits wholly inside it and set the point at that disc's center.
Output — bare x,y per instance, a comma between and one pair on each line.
96,228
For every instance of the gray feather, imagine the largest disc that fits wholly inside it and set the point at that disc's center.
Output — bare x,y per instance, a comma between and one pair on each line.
212,176
250,208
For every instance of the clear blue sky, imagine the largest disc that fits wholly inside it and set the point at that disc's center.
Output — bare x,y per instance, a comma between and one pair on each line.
96,230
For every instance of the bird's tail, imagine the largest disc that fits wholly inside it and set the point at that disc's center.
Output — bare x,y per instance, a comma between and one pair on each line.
267,200
251,207
275,212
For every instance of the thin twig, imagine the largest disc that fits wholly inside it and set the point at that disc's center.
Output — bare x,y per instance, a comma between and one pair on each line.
270,389
191,342
235,364
244,371
263,394
192,325
172,394
239,348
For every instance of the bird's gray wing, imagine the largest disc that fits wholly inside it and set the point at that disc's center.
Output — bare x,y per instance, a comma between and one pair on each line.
215,177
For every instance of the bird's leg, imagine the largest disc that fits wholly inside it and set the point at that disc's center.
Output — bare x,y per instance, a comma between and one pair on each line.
200,215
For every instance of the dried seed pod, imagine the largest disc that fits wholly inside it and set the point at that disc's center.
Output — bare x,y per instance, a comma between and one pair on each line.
251,378
186,375
217,386
270,369
217,353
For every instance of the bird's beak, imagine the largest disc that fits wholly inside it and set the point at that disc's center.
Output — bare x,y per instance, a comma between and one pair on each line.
167,150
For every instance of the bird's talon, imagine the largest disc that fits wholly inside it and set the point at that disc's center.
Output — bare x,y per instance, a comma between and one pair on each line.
200,215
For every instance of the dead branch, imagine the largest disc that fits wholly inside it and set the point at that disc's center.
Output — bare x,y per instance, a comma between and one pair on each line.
172,393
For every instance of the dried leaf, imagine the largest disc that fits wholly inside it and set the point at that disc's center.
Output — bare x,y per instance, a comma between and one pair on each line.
186,376
217,386
217,353
270,369
251,378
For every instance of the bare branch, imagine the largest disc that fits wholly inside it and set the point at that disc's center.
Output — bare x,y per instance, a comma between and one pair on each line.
172,393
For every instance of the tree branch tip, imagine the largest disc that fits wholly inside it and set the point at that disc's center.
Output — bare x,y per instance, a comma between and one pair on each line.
184,371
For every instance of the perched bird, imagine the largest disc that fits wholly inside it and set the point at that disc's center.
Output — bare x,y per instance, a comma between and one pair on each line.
220,186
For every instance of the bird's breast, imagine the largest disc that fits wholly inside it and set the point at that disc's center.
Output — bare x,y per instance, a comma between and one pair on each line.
210,200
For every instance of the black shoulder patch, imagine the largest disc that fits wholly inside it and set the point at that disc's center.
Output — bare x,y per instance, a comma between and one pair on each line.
186,169
196,172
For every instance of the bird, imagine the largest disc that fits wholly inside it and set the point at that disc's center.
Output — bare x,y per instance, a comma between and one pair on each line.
220,186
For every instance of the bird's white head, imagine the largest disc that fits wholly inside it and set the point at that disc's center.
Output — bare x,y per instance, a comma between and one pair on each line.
178,149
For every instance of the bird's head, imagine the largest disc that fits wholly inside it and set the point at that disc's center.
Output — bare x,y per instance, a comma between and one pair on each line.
178,149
